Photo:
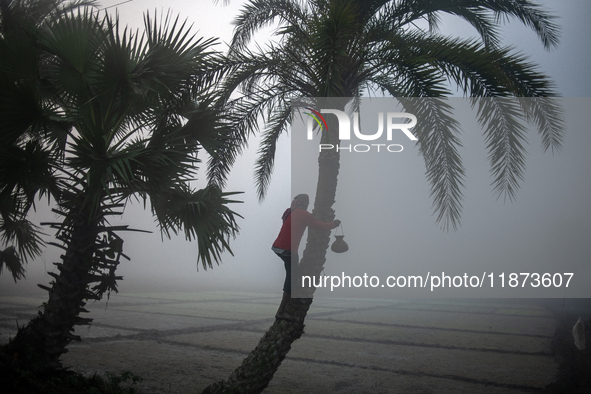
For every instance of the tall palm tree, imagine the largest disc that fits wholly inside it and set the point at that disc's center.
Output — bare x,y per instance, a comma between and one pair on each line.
344,48
95,116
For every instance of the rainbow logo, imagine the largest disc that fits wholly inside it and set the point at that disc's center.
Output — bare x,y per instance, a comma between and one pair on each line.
317,115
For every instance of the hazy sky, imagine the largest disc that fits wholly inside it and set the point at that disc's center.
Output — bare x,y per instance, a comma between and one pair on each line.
549,221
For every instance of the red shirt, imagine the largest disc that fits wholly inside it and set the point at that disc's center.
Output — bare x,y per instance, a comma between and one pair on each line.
294,226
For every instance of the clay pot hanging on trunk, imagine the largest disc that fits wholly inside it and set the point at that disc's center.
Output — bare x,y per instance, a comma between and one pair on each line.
339,246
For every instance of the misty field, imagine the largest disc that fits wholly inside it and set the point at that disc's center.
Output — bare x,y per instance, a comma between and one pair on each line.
180,342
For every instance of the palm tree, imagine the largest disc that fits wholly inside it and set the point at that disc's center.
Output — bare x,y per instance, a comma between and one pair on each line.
97,116
338,49
16,17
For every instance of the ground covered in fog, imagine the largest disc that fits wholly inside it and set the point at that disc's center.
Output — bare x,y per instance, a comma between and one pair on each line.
179,342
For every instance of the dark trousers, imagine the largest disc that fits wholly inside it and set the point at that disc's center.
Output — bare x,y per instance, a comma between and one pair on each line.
287,258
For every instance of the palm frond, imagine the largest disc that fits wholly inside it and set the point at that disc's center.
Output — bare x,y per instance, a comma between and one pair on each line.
203,215
10,259
531,15
24,234
257,14
484,16
27,173
548,116
438,144
264,165
504,131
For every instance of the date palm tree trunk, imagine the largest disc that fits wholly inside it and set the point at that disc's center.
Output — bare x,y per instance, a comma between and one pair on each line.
257,369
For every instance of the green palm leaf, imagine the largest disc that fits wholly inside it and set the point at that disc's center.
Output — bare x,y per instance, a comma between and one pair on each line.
341,49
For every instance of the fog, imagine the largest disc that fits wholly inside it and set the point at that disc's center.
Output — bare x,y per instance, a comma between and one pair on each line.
548,224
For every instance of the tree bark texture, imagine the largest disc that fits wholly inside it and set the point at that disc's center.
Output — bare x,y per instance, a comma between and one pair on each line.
314,256
257,370
44,339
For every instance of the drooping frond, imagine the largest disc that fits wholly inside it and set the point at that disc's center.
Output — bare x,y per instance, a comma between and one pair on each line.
438,144
202,215
504,132
277,125
548,116
484,16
